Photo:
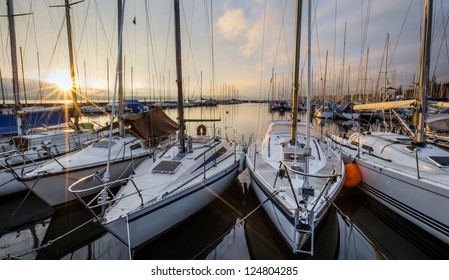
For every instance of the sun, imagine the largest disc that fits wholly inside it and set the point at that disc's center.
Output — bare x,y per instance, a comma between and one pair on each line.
62,79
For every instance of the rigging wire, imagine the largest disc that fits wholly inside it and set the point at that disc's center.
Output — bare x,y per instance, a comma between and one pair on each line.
315,8
168,39
282,31
443,38
400,33
364,36
105,36
189,40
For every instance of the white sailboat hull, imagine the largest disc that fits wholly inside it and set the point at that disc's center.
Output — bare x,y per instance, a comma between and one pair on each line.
421,202
281,197
284,220
392,179
149,222
324,114
347,116
38,148
9,184
53,188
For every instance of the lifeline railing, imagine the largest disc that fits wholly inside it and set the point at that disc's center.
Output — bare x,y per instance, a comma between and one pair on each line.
18,167
304,217
97,201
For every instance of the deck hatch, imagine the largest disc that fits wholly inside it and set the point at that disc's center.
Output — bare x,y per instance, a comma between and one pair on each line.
167,166
291,157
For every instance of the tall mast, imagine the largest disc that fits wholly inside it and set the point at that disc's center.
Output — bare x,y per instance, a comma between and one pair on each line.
307,149
76,111
39,78
325,77
386,62
296,73
182,148
366,75
1,85
424,71
120,67
15,79
343,72
23,78
107,174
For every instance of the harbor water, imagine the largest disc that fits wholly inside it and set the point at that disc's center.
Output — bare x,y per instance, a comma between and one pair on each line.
233,227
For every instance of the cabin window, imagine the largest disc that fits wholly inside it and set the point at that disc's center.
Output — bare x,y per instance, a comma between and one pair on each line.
440,161
368,148
355,143
220,152
135,146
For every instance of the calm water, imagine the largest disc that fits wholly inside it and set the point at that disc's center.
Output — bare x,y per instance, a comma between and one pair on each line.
357,228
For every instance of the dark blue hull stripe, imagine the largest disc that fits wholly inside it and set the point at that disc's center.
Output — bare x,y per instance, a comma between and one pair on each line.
273,200
423,218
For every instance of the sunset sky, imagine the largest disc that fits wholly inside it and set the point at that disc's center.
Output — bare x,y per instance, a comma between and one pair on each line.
243,42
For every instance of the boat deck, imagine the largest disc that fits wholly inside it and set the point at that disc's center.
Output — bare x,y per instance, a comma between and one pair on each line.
267,163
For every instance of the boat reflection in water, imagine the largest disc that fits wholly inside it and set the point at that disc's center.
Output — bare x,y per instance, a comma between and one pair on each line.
222,230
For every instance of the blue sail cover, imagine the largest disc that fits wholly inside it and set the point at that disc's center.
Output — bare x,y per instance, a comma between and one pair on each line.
32,119
135,105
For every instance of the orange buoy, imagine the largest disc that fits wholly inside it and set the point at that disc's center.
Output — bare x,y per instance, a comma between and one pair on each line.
353,175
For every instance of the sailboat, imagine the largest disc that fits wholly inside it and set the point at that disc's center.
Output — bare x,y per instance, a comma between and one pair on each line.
401,171
108,158
179,180
324,112
18,119
35,132
294,175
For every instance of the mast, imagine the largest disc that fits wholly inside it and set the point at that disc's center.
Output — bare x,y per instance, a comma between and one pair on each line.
107,173
307,149
76,112
3,90
23,78
15,80
424,71
120,67
182,148
39,78
294,113
325,77
366,74
386,63
343,72
107,78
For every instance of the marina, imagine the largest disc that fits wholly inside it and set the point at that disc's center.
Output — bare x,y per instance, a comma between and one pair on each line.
357,226
274,157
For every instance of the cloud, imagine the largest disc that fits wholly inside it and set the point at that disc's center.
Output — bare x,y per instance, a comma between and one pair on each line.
253,40
232,24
